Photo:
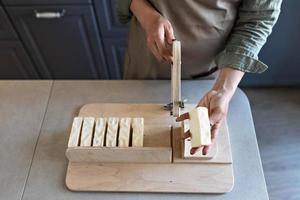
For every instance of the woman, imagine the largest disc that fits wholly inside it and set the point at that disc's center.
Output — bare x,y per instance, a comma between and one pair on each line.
215,34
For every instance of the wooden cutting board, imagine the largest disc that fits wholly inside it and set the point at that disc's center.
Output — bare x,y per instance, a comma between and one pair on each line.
204,175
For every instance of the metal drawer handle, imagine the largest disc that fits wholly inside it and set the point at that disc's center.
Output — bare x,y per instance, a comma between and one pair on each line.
49,15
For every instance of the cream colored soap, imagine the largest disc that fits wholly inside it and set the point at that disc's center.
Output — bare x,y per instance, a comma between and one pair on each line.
112,132
75,132
137,132
100,130
124,133
199,127
87,132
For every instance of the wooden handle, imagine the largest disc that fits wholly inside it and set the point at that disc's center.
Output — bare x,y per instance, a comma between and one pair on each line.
176,78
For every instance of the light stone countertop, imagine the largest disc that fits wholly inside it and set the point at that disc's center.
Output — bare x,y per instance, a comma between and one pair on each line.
36,117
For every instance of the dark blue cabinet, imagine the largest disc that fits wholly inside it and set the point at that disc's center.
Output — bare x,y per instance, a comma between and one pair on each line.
6,30
44,2
114,37
115,50
63,41
108,20
14,62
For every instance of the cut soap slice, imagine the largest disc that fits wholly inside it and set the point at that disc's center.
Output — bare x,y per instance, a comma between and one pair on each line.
75,132
99,134
199,127
124,133
87,132
137,132
112,132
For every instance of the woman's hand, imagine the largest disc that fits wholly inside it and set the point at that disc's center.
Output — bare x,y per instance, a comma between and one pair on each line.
158,29
160,35
217,101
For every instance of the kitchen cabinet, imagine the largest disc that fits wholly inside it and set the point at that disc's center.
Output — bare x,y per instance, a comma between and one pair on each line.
108,19
6,30
114,36
44,2
63,41
115,50
14,62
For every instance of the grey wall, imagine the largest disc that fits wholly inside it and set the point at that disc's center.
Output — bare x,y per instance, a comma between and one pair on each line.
282,51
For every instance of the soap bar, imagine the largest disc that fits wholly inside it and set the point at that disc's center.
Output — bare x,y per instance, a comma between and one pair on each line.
124,133
112,132
137,132
100,130
75,132
87,132
199,127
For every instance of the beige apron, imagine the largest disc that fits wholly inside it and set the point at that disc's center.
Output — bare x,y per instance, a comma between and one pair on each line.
202,26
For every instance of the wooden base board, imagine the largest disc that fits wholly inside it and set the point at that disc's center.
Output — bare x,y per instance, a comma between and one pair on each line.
203,176
167,178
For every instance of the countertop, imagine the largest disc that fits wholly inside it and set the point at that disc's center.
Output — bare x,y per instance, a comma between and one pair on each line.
36,117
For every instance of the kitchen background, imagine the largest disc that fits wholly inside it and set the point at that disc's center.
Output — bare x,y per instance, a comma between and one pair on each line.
86,41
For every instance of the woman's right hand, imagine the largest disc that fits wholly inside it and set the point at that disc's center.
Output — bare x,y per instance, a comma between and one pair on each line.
160,35
159,31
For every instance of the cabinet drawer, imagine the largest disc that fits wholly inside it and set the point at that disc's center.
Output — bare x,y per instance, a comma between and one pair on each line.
63,41
45,2
14,62
6,29
108,19
115,50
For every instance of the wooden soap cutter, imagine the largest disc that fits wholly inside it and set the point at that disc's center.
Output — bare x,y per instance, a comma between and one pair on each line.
176,102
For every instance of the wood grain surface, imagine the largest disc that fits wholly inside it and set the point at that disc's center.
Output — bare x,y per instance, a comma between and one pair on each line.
197,177
179,178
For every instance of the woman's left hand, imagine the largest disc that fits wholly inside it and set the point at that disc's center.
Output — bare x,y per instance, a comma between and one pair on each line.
217,103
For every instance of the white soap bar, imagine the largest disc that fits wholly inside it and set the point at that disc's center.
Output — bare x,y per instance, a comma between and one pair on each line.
137,132
87,131
199,127
124,133
112,132
100,130
75,132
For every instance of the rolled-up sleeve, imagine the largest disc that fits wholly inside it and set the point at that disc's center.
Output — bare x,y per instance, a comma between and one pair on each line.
254,24
123,11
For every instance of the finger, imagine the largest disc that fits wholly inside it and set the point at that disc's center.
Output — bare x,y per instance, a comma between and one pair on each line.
163,52
155,52
182,117
169,34
215,131
215,117
204,102
162,47
205,150
194,150
187,135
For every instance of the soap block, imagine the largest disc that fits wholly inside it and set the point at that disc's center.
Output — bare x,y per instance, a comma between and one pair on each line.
100,130
137,132
75,132
199,127
87,132
112,132
124,133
